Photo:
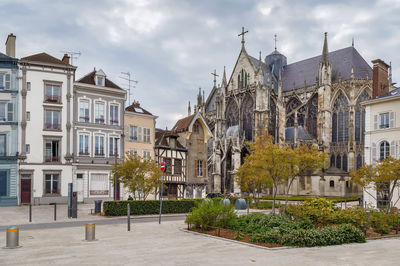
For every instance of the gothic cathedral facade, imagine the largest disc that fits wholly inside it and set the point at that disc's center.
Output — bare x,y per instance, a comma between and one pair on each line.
315,101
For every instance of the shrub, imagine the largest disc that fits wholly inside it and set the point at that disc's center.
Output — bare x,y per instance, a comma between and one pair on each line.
331,235
211,214
138,207
379,222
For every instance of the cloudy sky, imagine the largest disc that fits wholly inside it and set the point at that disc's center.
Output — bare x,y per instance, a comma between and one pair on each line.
171,47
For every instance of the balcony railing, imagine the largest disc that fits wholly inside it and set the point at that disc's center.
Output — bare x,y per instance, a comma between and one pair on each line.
114,122
84,119
99,120
113,154
53,126
51,159
81,153
53,98
99,154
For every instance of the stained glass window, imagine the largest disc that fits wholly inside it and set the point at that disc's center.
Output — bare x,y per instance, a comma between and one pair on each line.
341,124
247,114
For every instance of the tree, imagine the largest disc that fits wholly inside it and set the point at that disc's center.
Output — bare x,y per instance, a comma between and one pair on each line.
141,177
384,176
304,159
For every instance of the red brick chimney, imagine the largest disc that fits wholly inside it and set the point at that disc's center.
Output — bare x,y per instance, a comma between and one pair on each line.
380,82
65,59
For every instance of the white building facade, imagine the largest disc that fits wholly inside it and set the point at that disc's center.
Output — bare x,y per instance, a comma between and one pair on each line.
45,118
97,136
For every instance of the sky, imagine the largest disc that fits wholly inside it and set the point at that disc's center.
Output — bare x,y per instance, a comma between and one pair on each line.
172,47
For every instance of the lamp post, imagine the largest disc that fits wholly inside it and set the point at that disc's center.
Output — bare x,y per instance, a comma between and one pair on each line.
115,173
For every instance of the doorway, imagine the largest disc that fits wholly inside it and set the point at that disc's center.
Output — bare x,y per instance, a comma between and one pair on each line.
26,187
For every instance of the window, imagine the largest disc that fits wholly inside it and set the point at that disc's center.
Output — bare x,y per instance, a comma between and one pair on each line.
332,160
168,164
146,154
347,184
344,163
200,145
340,119
133,133
177,166
359,162
84,145
114,115
28,116
28,86
133,151
146,135
99,146
3,183
196,128
199,167
113,146
6,111
99,113
52,152
338,162
84,111
79,176
100,81
27,148
5,81
384,150
52,184
384,120
52,120
99,185
52,93
332,183
242,79
3,145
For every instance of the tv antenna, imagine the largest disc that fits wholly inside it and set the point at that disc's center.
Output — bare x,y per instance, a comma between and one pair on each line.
128,78
72,55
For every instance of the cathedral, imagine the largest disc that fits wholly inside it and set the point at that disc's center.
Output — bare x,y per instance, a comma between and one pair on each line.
314,101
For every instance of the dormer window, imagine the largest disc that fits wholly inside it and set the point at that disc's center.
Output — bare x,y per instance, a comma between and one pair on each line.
100,81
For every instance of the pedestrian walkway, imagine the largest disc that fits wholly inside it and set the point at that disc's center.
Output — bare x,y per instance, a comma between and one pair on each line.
168,244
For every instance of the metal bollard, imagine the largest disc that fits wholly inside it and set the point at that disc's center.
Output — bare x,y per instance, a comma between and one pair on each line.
30,212
129,216
90,232
12,240
55,211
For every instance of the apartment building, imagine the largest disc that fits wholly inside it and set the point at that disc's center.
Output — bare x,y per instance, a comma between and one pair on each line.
8,125
45,139
98,136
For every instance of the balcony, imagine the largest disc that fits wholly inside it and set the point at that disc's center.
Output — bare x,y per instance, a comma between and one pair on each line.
99,154
53,98
52,126
81,153
51,159
113,155
114,122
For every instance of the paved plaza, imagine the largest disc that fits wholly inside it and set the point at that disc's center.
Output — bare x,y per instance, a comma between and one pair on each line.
168,244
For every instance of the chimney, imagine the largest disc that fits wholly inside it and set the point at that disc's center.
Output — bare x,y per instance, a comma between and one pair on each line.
380,83
10,45
65,59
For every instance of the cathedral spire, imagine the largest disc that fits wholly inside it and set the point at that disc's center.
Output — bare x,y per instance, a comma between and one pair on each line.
224,79
325,57
242,34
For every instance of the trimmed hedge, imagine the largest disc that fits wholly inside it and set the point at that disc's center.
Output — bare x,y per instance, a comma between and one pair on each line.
140,207
296,198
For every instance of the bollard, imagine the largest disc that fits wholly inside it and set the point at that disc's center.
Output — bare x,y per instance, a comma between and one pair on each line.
90,232
12,240
129,216
55,211
30,212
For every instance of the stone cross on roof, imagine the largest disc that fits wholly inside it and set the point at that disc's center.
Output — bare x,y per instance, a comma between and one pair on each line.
242,34
215,77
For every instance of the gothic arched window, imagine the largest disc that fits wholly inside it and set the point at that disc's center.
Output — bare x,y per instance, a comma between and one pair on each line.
384,150
338,162
247,114
344,163
332,160
242,79
359,162
359,118
232,114
312,111
340,119
272,118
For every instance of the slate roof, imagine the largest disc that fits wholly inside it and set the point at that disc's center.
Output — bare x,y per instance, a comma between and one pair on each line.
4,56
136,108
395,92
45,58
302,134
183,124
342,60
89,79
161,137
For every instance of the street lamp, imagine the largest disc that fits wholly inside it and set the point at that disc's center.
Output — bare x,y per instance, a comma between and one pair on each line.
115,173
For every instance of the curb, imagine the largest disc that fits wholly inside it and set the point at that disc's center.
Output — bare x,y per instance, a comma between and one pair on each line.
234,241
